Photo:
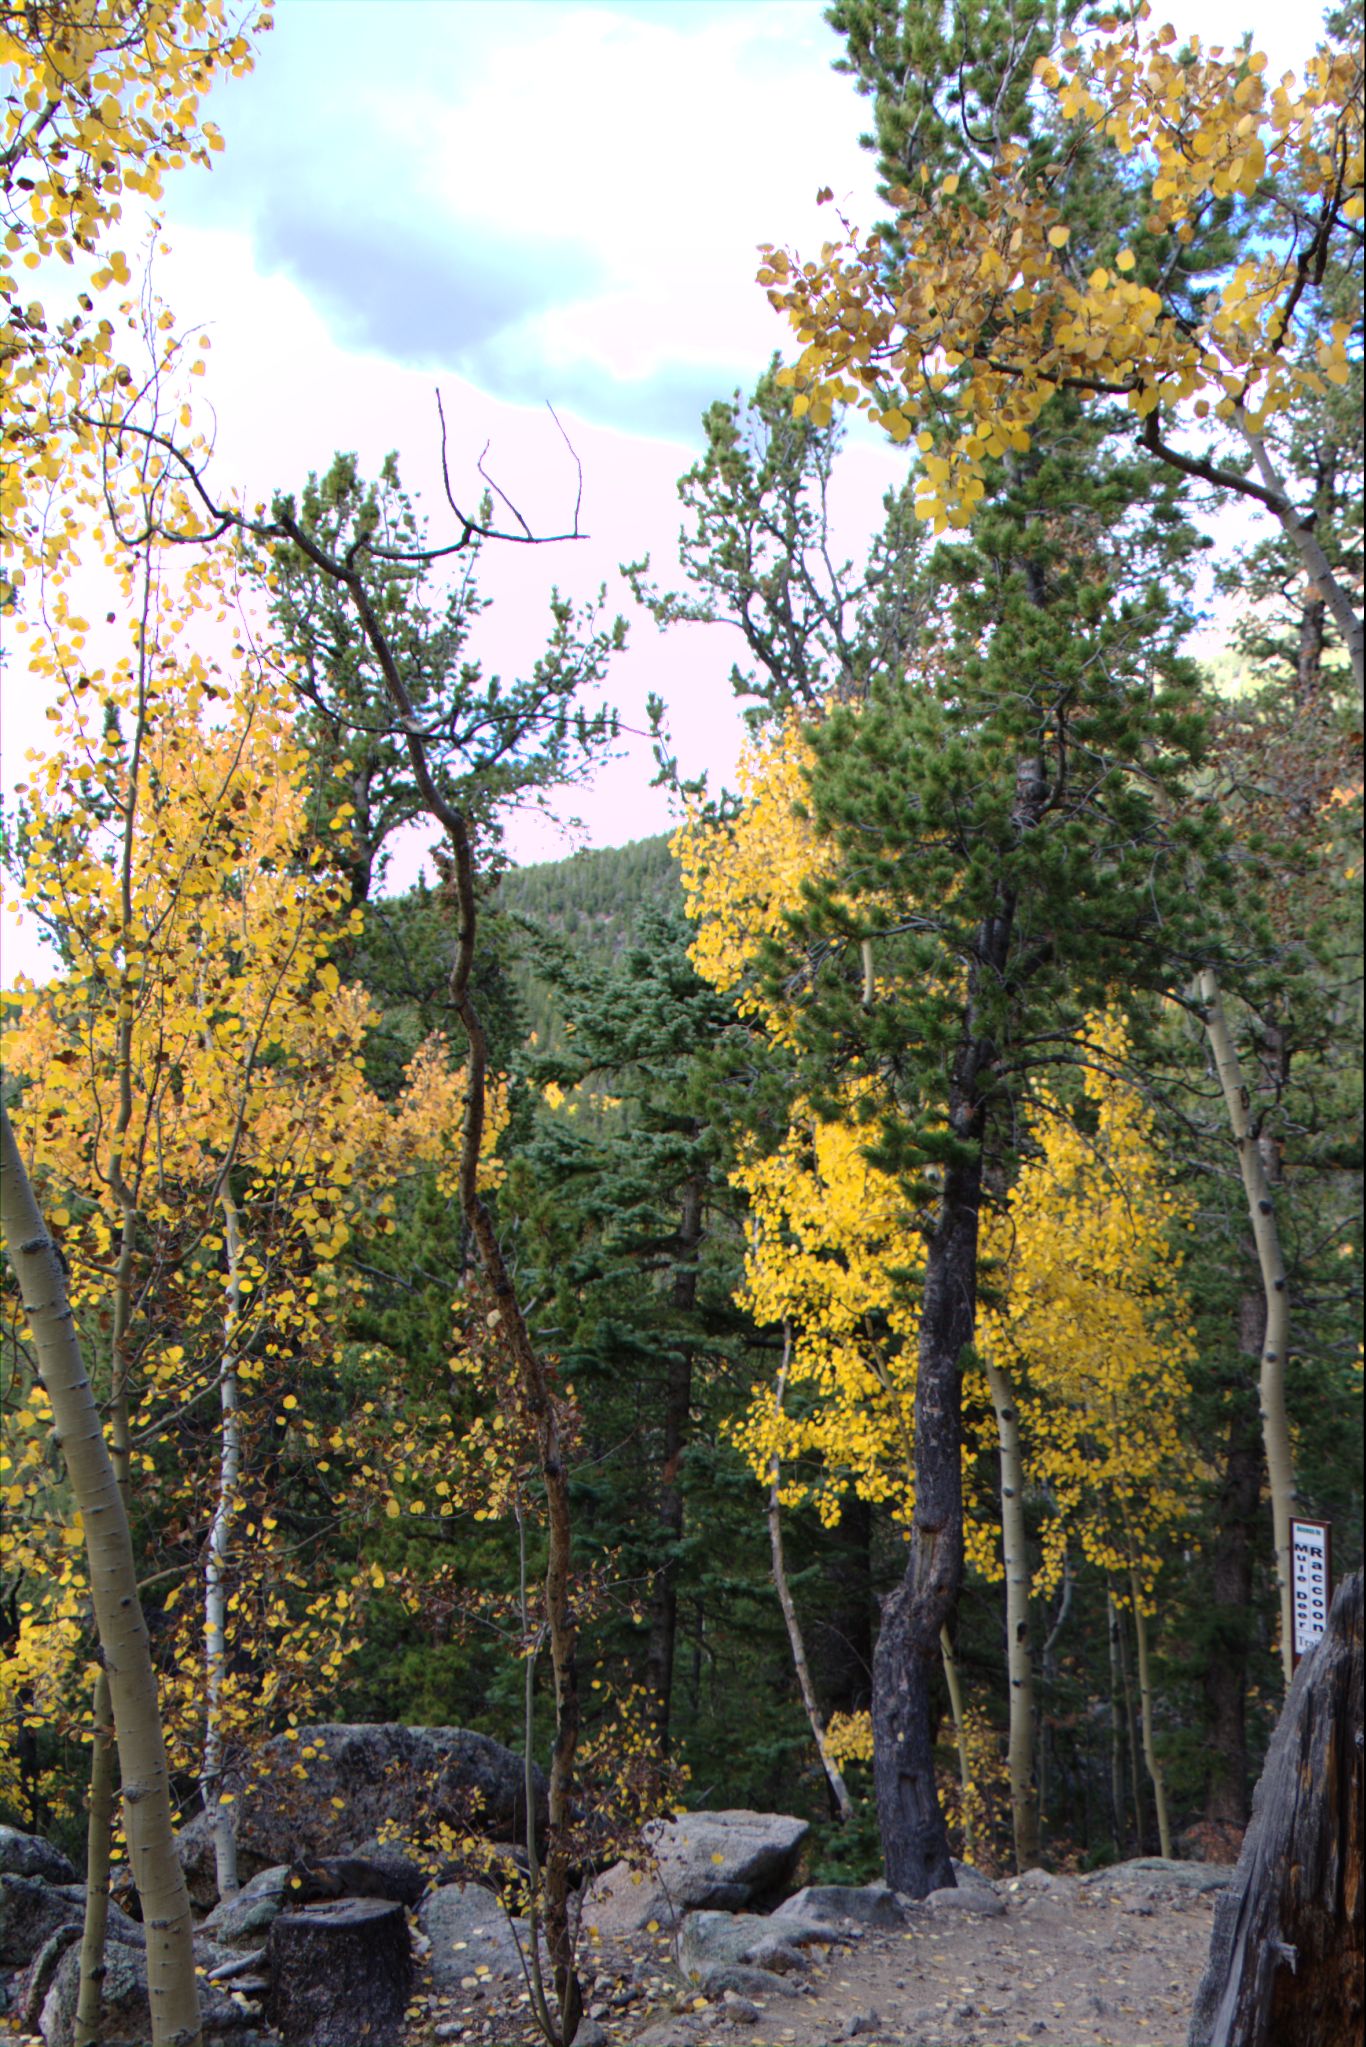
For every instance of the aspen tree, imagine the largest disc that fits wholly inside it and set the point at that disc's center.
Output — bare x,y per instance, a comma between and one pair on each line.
122,1629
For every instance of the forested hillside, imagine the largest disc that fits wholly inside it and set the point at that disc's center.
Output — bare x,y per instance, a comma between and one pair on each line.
838,1310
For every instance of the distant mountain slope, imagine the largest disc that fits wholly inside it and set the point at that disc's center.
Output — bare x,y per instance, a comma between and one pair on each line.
592,900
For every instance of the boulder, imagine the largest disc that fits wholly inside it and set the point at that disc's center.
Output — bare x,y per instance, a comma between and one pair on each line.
712,1861
966,1900
340,1973
125,2011
31,1855
1153,1880
712,1946
835,1905
31,1910
378,1874
469,1933
333,1789
969,1879
244,1920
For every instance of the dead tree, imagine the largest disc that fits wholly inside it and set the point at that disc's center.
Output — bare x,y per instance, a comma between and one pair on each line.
1285,1965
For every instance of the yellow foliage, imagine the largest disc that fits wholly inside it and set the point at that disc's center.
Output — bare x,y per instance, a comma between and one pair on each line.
990,302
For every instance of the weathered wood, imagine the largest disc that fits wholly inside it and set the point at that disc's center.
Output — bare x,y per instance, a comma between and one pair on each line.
340,1973
1285,1965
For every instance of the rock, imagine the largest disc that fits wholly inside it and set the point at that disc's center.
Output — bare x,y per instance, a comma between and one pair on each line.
711,1945
717,1861
340,1973
31,1855
245,1919
748,1982
670,2032
834,1904
591,2034
125,2011
740,2010
380,1873
1151,1880
1043,1883
338,1787
970,1879
981,1904
31,1910
467,1928
35,1981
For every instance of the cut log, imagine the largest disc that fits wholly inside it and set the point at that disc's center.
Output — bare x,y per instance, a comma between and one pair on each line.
1285,1964
340,1973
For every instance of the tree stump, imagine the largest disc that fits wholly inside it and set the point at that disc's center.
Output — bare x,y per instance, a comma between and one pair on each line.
340,1973
1285,1965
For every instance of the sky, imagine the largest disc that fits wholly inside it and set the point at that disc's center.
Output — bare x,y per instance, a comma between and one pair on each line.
523,203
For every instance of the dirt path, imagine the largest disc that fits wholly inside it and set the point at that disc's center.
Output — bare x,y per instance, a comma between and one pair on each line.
1107,1966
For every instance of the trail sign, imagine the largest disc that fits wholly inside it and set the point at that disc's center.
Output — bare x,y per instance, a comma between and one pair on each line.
1311,1581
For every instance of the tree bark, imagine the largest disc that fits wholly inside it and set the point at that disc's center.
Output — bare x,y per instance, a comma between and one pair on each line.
915,1842
216,1566
99,1821
954,1683
124,1648
1288,1951
1145,1707
1118,1802
1280,1464
1024,1806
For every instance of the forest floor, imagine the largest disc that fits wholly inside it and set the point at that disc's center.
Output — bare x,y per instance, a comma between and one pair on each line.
1071,1971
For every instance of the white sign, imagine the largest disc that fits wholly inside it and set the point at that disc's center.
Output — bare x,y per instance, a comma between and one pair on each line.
1309,1582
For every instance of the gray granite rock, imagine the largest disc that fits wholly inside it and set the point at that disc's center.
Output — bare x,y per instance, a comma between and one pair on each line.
1154,1880
125,2011
244,1920
716,1861
339,1786
31,1855
31,1910
469,1931
712,1943
981,1904
834,1904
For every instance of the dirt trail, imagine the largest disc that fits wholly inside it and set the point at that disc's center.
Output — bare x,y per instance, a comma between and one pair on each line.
1110,1966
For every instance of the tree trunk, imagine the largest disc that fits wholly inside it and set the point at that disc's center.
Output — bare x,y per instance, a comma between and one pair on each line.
960,1736
915,1842
1227,1639
1145,1702
340,1973
1118,1802
1048,1671
844,1805
1131,1725
216,1567
99,1821
1024,1808
663,1642
122,1629
1287,1954
1280,1464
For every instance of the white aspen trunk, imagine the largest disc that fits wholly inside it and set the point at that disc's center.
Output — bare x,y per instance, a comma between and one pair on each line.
99,1821
1145,1704
960,1735
1280,1462
216,1567
1316,562
124,1648
1117,1798
843,1803
1024,1805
